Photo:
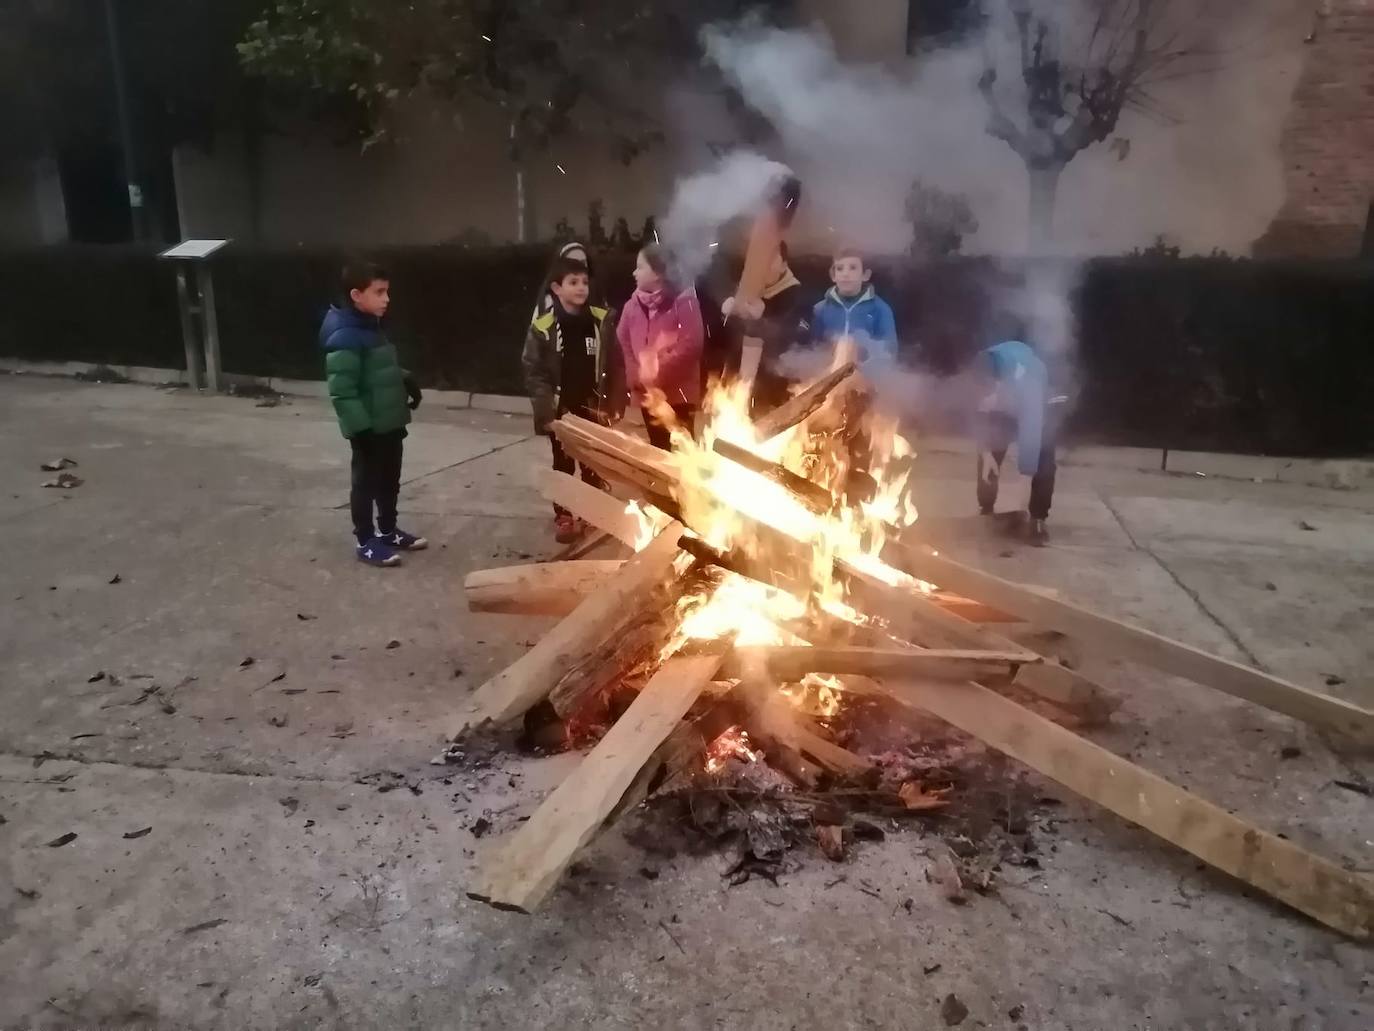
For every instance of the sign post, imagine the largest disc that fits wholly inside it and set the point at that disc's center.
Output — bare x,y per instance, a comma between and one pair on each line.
198,299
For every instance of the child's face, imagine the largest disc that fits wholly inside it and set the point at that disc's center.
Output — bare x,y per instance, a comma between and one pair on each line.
572,290
374,300
849,276
645,277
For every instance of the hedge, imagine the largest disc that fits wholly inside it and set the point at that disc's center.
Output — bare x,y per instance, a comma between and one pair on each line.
1271,357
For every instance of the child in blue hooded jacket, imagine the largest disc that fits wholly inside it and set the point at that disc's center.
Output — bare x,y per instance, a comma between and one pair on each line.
852,309
1018,404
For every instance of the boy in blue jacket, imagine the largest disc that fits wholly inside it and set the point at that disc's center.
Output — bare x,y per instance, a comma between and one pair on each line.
1018,404
373,398
852,309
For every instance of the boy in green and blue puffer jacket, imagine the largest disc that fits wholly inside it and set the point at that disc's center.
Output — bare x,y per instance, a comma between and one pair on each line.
373,398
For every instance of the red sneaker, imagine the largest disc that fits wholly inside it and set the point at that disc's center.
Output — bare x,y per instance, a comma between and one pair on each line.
566,529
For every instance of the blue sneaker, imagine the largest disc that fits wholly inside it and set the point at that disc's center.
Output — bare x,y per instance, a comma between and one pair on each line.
378,552
402,541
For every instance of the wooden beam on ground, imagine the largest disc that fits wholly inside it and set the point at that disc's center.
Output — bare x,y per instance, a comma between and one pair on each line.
1132,642
788,664
803,405
538,589
525,867
1336,897
526,681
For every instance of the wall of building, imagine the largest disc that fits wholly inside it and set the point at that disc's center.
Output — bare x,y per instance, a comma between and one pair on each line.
434,182
1328,139
31,209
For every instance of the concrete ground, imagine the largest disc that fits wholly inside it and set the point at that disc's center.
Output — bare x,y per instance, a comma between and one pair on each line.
278,887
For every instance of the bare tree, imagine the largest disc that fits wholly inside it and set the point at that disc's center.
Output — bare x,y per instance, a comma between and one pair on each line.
1082,65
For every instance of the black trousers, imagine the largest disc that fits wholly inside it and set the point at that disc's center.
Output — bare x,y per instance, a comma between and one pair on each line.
565,463
661,436
376,482
996,432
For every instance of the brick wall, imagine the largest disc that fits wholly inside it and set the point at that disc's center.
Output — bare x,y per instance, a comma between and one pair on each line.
1328,141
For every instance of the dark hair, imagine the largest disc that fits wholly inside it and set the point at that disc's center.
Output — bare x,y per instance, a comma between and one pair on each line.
360,273
850,252
565,267
652,254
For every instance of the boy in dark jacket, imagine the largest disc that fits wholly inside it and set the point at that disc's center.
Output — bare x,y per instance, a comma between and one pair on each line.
851,309
373,398
781,319
572,364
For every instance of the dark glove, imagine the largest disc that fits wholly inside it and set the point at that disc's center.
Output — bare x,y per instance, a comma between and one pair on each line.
413,392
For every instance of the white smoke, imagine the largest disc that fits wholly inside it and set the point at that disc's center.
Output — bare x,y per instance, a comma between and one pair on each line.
739,184
1202,166
856,134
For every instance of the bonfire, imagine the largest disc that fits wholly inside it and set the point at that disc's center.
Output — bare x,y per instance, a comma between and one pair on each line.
778,584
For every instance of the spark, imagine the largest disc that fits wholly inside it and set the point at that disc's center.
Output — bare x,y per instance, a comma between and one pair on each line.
486,37
560,168
714,244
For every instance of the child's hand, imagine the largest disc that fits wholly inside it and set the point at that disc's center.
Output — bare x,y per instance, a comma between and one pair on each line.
413,393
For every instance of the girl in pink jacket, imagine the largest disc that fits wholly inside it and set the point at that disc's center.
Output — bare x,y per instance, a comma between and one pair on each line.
661,336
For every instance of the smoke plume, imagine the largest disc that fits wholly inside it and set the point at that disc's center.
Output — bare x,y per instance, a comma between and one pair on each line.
738,185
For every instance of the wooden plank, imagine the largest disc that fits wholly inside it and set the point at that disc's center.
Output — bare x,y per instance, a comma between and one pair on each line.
597,507
804,404
1132,642
537,589
1068,689
518,687
1339,898
524,868
788,664
585,546
925,621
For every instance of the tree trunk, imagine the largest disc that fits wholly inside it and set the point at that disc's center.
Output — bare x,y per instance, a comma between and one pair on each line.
1044,187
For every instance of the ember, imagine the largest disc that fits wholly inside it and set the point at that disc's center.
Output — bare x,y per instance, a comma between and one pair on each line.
733,743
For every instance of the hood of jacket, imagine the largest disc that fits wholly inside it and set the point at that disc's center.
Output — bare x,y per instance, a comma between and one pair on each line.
344,326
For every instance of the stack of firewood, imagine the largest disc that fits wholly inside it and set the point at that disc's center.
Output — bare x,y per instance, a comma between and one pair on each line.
938,653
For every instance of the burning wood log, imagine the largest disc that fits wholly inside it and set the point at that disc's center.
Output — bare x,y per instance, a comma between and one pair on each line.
636,642
790,744
1141,645
514,690
803,405
1339,898
789,664
524,869
617,456
540,589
